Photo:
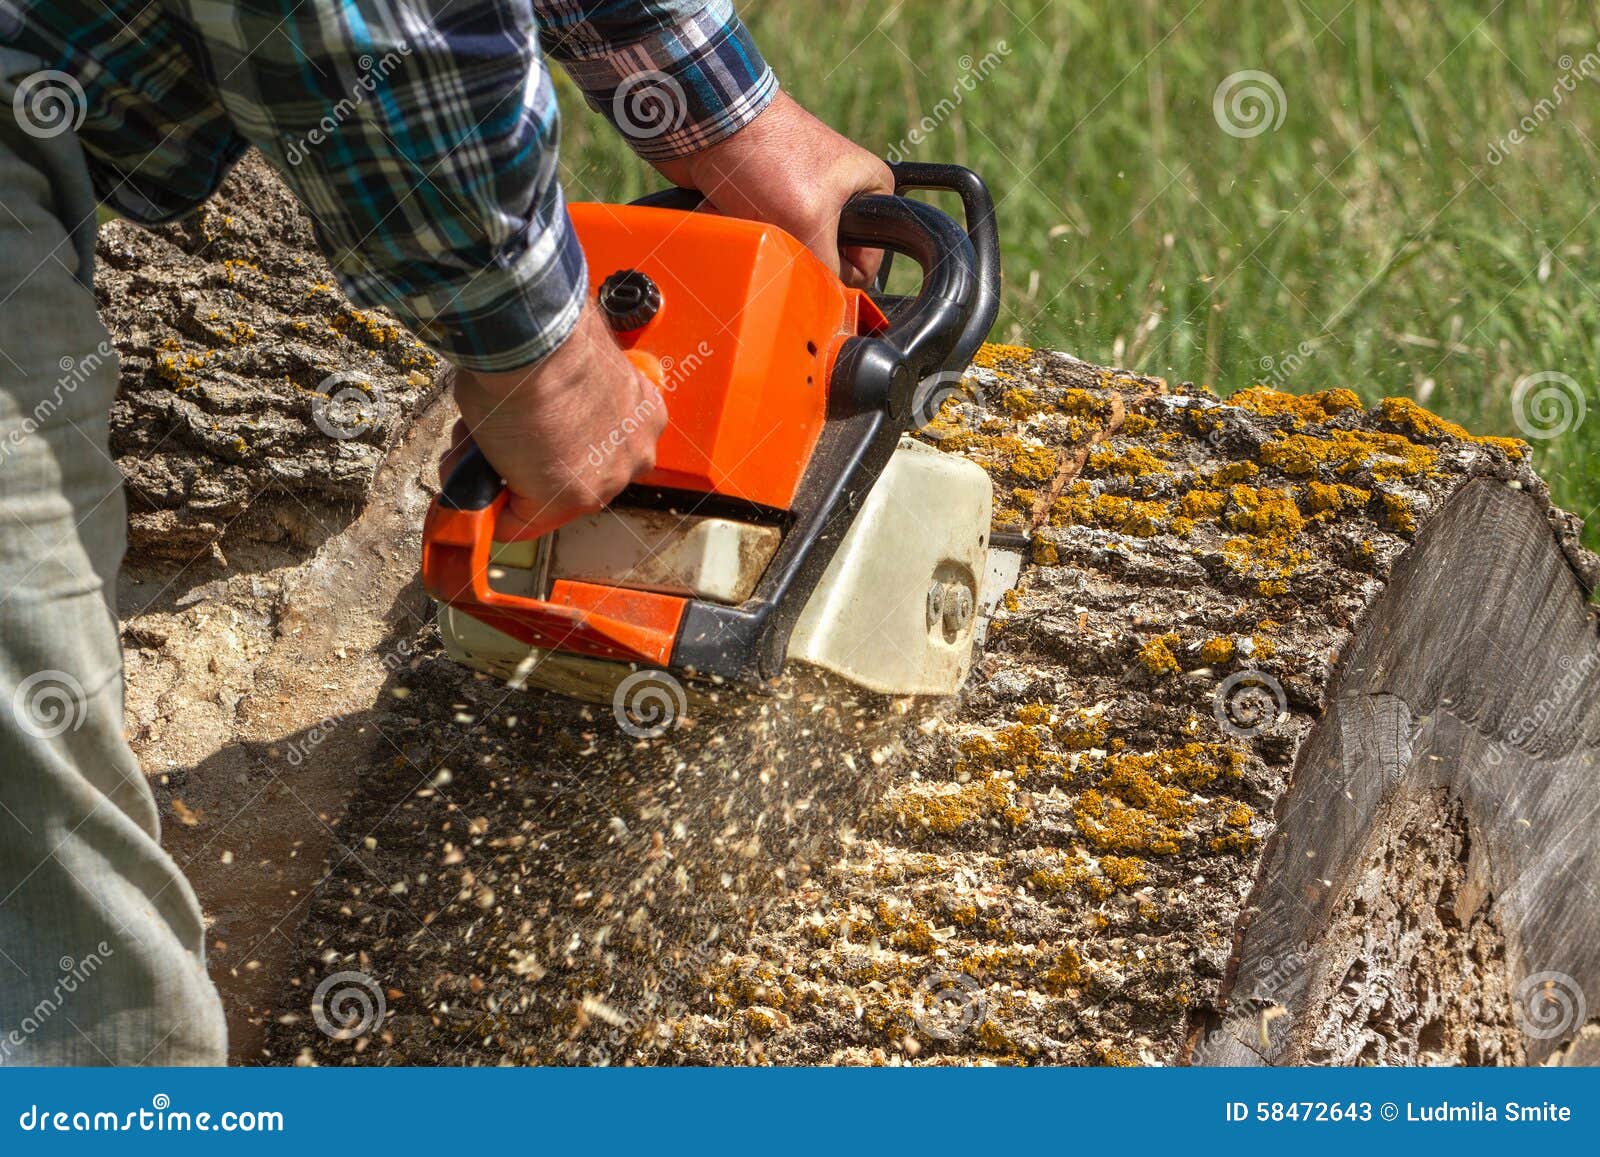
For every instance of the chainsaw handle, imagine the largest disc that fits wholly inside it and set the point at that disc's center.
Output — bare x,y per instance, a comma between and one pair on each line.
977,207
926,332
473,484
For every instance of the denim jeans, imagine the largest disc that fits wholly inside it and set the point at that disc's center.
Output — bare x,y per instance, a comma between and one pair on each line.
102,945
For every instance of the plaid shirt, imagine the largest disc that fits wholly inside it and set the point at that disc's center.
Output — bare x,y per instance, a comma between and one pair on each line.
419,134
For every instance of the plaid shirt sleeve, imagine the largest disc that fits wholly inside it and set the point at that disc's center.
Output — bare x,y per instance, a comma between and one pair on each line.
420,135
438,196
673,76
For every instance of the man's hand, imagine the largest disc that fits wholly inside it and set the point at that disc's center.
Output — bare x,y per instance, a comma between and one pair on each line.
566,434
789,169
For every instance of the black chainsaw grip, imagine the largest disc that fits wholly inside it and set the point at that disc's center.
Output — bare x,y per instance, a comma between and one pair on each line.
929,329
683,200
977,207
472,485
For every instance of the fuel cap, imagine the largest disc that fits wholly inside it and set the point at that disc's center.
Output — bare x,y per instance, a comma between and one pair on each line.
629,299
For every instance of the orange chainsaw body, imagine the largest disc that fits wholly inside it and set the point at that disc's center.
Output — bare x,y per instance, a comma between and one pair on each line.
745,337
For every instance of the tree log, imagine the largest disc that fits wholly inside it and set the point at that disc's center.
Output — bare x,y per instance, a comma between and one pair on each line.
1282,751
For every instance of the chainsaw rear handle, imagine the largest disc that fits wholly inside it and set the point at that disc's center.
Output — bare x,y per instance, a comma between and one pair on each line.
978,209
881,371
473,484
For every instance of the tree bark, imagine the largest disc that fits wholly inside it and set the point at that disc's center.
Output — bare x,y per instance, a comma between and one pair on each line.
256,401
1282,751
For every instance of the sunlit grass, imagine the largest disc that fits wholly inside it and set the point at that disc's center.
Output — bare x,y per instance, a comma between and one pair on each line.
1367,241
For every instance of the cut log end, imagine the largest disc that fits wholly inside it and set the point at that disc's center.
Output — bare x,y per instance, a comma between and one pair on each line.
1428,895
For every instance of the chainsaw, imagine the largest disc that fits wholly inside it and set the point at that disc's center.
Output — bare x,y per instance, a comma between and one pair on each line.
788,517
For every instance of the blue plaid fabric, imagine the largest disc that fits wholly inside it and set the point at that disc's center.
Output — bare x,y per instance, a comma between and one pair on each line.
420,135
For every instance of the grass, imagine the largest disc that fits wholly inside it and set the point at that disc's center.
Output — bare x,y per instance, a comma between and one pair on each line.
1369,240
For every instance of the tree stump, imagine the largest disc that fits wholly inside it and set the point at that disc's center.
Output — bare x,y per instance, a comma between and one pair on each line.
1283,750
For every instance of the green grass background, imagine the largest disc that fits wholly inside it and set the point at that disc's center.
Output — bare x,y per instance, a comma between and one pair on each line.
1367,241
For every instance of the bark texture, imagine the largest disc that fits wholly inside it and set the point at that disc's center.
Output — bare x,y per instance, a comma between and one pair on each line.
1282,751
256,401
